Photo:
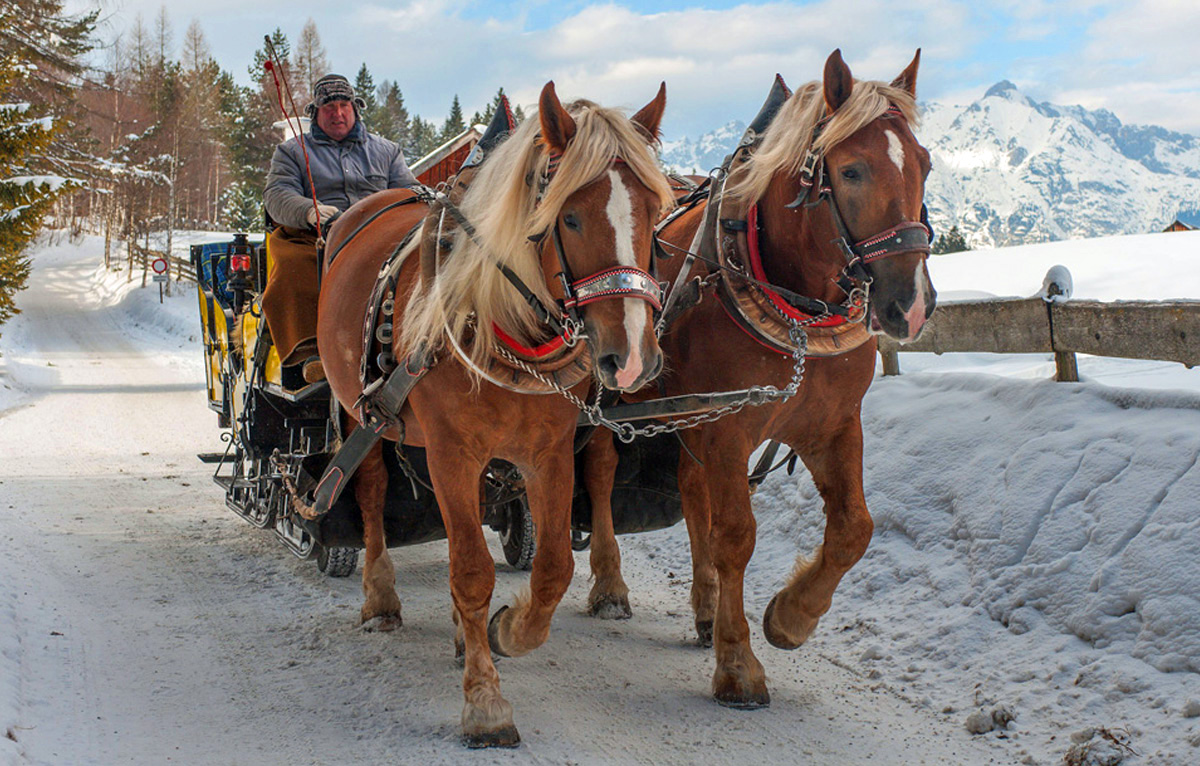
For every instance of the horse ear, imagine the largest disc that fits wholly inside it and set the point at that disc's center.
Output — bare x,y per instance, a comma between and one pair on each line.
907,80
558,127
838,81
650,116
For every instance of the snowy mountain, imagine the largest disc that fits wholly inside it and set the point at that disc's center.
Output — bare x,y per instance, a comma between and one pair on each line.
701,155
1009,170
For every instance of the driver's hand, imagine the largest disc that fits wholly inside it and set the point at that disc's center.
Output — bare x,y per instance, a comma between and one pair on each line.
327,212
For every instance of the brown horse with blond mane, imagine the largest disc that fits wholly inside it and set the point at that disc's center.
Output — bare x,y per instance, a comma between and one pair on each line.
576,191
817,213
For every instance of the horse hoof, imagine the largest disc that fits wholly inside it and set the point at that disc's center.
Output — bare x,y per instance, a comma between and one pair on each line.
494,641
504,737
740,690
383,623
609,607
704,633
739,702
776,638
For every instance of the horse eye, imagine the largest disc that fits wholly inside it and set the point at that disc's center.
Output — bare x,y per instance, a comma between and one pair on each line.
850,174
571,221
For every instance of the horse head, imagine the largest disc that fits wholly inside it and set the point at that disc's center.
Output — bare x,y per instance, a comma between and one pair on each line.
854,174
598,250
878,178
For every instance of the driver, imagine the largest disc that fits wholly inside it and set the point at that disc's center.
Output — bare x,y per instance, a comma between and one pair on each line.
347,164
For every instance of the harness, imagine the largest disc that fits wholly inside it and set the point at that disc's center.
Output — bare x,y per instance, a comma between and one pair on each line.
729,241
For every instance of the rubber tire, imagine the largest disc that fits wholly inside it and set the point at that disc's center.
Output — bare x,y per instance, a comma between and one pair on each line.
518,538
337,562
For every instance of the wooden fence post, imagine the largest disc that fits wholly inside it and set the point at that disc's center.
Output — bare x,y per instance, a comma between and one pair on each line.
1065,369
891,359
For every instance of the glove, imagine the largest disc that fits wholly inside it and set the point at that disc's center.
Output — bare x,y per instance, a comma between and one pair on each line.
327,212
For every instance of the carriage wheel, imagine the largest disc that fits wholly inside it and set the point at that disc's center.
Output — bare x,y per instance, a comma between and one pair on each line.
337,562
580,541
517,536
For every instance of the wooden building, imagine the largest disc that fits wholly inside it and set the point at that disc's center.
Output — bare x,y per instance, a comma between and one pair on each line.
1179,225
443,162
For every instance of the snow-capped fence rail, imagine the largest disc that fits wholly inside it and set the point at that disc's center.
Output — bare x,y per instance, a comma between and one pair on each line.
1159,330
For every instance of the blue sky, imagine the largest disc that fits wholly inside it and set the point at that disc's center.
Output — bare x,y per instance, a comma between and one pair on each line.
1138,58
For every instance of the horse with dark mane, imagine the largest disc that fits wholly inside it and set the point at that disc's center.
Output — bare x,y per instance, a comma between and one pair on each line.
574,192
820,243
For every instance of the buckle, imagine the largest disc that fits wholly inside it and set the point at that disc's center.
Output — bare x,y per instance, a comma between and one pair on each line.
808,167
856,305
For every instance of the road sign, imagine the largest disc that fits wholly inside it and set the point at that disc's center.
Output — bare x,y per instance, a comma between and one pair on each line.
160,266
160,278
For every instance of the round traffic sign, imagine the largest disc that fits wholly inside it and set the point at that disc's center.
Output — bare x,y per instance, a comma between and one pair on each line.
159,265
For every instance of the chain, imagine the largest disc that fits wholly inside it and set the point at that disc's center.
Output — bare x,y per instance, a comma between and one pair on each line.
755,395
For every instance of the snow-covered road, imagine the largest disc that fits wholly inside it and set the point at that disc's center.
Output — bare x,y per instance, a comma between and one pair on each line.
141,622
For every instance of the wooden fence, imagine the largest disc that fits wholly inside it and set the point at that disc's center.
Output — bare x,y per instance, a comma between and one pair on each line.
1167,331
180,269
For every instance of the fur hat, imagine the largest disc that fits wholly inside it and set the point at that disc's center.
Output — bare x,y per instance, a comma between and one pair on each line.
333,87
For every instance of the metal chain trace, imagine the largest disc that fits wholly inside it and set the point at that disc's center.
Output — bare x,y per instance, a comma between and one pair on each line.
754,396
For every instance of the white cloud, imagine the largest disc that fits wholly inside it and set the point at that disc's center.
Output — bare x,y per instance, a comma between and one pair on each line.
1134,58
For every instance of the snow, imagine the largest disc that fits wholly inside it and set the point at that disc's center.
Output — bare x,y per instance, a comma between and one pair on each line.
54,182
1032,576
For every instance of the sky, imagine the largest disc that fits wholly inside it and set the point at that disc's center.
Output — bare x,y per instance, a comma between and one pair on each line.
1137,58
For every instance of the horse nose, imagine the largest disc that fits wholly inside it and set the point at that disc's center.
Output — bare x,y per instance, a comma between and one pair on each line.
610,365
908,320
894,314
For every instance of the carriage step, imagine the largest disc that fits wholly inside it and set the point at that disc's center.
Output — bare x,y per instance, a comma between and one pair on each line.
211,457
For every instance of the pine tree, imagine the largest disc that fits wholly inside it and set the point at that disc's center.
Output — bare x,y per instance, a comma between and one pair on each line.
393,117
24,197
283,49
423,139
950,242
364,88
454,123
308,62
40,52
248,139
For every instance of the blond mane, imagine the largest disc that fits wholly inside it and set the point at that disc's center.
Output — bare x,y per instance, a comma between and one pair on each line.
787,139
470,292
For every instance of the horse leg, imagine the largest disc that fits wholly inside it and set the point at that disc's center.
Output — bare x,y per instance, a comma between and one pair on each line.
487,717
460,642
379,576
526,625
836,468
609,597
697,515
739,680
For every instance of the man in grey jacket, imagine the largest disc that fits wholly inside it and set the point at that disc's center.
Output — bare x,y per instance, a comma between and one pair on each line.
347,164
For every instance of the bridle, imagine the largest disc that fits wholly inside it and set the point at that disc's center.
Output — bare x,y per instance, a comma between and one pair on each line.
905,237
611,282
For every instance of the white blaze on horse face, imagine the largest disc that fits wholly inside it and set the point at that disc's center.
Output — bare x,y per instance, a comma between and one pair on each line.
620,215
895,150
915,316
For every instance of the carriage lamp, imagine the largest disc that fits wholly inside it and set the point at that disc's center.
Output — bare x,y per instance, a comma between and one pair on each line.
239,270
